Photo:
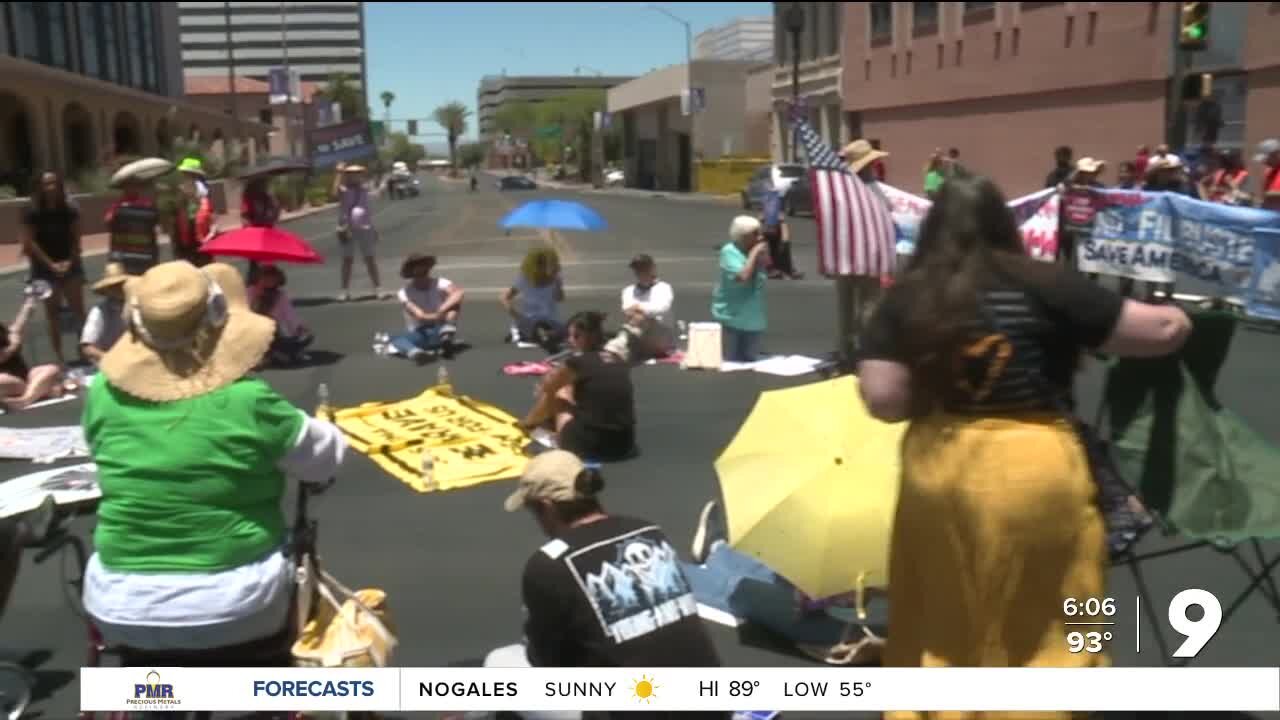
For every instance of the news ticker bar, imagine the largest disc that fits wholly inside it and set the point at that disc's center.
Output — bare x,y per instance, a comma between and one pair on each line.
680,689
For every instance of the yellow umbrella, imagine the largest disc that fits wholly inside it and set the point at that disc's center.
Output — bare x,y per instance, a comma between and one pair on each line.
810,484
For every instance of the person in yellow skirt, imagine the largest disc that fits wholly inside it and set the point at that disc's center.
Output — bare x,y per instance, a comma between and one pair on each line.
996,525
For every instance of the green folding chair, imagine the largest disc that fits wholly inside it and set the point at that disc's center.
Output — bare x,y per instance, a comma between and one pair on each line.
1204,474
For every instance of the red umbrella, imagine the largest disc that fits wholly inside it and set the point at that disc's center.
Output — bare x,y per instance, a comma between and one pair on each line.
264,244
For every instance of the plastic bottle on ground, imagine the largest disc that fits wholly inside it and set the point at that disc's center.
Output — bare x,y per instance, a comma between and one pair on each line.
324,410
442,375
428,469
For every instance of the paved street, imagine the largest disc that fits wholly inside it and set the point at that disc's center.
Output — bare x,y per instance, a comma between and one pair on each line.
450,562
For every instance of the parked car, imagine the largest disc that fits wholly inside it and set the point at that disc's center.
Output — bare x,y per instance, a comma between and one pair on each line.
615,178
770,177
516,182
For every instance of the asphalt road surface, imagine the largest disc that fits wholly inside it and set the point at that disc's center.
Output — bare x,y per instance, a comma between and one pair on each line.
451,562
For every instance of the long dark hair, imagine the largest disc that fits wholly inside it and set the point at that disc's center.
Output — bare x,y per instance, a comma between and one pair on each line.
266,300
40,198
968,235
591,326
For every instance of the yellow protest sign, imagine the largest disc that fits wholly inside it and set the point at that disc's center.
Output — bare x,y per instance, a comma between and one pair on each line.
470,442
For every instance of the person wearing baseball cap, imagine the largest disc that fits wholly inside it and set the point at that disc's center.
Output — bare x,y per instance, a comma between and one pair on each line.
1269,156
605,590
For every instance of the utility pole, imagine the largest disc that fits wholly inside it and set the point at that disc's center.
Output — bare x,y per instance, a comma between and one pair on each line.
231,73
795,26
288,80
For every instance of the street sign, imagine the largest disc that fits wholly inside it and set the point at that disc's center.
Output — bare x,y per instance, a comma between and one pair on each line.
379,130
551,131
283,85
413,128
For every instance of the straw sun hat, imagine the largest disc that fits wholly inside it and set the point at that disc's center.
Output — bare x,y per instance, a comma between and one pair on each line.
112,275
860,154
188,335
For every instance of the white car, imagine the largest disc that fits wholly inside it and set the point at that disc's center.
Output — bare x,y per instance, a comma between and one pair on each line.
614,178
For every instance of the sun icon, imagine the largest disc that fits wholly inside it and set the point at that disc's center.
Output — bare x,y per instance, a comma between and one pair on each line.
644,688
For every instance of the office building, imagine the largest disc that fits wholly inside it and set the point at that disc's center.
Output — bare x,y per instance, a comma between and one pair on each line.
314,39
821,27
497,91
85,83
746,38
1007,82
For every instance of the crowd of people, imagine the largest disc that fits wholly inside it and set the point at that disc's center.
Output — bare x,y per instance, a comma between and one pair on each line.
974,344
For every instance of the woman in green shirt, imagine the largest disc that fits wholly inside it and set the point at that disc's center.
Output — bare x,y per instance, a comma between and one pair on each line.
934,176
192,457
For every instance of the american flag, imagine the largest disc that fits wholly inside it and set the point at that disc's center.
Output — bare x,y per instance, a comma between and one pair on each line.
856,235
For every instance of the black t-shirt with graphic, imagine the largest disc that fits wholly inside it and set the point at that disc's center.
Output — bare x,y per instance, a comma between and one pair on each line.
1025,342
612,594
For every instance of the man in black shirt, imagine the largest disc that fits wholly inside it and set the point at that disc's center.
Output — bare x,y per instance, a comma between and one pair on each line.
1062,168
606,590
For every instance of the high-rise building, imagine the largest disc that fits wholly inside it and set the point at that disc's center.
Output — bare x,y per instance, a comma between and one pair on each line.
746,38
498,90
314,39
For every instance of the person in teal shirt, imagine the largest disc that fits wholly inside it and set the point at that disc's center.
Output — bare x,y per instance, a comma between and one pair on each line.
738,301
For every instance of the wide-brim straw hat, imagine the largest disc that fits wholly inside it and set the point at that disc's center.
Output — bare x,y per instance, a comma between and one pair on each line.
144,170
413,261
353,169
232,284
112,275
859,154
1089,165
186,337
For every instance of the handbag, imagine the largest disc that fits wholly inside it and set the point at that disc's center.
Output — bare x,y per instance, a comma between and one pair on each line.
339,627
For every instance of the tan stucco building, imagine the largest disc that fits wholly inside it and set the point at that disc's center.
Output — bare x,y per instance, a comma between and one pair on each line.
81,83
661,142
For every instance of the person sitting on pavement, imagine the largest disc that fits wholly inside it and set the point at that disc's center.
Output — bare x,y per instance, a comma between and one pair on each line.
589,400
533,302
431,305
267,297
647,615
105,323
737,302
20,385
648,333
192,457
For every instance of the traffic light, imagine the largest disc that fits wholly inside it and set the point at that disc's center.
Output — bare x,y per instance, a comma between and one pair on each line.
413,127
1193,26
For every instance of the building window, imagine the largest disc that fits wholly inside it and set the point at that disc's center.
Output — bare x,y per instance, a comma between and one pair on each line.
133,44
42,32
979,12
88,30
1034,5
150,43
834,21
110,24
56,26
924,19
881,23
28,30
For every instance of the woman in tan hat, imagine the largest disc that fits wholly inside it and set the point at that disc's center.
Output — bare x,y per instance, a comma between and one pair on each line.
355,228
105,323
192,457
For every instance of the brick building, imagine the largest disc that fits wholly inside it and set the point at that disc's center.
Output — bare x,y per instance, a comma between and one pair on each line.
1006,82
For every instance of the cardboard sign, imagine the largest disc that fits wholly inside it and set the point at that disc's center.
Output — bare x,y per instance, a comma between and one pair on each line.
133,238
470,442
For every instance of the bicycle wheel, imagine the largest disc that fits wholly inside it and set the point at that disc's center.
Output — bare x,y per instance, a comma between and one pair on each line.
15,690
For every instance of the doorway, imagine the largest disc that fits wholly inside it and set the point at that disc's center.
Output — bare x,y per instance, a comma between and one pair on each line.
684,180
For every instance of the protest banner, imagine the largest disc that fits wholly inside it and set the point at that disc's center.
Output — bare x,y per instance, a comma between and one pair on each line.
1159,236
1079,207
470,442
1036,214
1263,297
340,143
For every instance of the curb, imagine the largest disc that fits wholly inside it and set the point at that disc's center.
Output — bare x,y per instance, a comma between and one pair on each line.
22,266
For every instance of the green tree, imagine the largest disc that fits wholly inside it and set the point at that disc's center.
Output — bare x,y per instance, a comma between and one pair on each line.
472,154
341,90
453,118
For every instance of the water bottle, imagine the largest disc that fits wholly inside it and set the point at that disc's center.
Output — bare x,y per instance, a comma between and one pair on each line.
442,375
682,345
323,409
428,470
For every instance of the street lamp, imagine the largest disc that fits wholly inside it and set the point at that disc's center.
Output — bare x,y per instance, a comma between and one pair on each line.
794,21
688,30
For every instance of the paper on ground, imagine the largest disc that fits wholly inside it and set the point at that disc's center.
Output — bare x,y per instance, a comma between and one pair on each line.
68,486
780,365
43,444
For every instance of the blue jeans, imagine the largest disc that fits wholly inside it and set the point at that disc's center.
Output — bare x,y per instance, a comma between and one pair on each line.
740,345
425,337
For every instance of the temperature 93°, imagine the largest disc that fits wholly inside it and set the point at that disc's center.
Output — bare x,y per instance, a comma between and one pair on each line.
1196,633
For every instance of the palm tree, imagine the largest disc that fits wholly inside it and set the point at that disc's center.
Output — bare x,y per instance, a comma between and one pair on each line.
453,118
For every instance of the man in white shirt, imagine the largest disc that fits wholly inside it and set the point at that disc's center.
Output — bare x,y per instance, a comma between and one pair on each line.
431,306
105,322
646,307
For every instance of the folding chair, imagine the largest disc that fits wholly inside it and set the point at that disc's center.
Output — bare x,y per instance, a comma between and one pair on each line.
1152,407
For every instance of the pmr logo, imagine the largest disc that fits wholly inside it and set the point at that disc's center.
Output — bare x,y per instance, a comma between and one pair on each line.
153,693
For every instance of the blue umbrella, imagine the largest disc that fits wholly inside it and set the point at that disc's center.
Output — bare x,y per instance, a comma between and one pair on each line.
554,215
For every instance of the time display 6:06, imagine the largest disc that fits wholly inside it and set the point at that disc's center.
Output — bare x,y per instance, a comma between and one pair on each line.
1089,607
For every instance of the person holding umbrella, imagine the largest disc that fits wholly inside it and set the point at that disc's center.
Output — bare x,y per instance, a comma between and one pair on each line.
355,227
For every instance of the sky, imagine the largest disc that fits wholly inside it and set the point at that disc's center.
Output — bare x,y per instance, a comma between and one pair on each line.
431,53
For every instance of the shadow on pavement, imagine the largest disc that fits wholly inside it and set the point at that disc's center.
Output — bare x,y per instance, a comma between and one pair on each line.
315,359
47,682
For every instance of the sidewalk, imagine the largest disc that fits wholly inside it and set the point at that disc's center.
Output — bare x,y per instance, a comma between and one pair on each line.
13,261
